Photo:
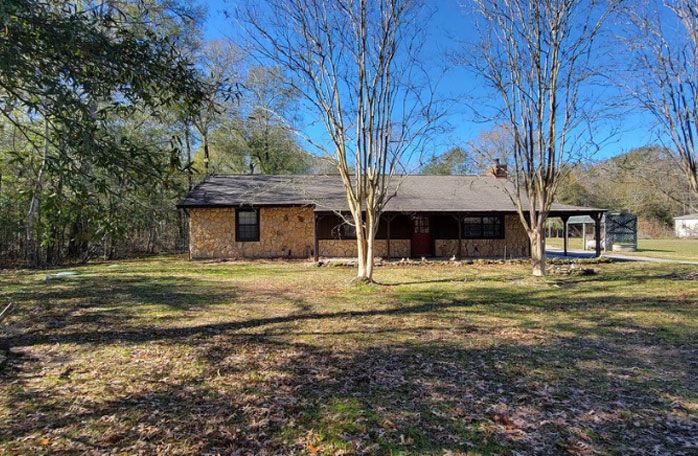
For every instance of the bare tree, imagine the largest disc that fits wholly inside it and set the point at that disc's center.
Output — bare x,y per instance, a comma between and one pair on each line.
537,56
355,62
491,145
219,61
667,69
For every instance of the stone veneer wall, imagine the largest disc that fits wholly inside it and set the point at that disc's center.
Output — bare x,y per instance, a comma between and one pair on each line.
284,232
212,233
514,245
289,232
346,248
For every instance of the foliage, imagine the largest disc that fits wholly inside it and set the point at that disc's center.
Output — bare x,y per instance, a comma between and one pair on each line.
453,162
477,156
253,132
80,66
86,158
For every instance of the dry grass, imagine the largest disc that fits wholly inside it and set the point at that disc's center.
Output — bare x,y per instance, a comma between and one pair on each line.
164,356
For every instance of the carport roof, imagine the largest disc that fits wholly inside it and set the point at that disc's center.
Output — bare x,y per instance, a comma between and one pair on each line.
687,217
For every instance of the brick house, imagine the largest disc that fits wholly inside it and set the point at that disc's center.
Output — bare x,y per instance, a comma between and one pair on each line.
263,216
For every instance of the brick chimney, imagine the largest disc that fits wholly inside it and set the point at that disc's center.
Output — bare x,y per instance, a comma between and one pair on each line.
498,170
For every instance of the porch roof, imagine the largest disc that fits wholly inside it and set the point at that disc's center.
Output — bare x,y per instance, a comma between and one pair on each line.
326,193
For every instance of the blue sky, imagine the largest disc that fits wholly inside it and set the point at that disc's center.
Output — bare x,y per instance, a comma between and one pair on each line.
450,24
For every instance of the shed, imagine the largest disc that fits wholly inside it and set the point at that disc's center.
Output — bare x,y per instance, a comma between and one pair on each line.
686,226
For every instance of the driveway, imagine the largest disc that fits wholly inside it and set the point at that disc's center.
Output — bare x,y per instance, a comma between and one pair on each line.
557,253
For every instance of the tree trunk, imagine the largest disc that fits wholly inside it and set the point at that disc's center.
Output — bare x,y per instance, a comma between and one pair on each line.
206,153
365,240
365,234
369,257
537,238
32,247
361,250
183,228
188,146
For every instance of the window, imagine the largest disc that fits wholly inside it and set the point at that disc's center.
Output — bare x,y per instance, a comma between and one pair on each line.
490,227
348,231
247,225
421,224
341,230
472,227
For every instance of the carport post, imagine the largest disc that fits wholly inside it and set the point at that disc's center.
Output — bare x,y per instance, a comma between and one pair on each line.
565,233
597,232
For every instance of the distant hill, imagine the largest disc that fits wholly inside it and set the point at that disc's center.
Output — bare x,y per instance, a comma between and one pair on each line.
646,181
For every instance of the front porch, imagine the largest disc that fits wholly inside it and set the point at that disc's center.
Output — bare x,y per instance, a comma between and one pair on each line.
458,235
427,234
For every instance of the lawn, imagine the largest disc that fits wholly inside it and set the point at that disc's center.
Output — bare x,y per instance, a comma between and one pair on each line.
166,356
673,248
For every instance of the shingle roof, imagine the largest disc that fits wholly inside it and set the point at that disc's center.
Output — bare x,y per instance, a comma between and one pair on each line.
687,217
414,193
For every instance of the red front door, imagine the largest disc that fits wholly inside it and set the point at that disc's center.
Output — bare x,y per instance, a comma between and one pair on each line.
421,236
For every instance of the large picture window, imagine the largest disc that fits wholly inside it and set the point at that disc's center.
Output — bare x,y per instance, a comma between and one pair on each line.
486,227
247,225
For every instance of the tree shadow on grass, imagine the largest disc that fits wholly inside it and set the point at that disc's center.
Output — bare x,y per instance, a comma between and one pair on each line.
260,395
127,291
323,382
421,282
111,325
94,304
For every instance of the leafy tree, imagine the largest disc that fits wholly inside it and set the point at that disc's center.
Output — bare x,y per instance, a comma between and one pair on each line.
77,67
80,82
252,145
454,161
220,62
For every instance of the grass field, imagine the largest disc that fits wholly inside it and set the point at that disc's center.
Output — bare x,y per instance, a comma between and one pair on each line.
166,356
677,249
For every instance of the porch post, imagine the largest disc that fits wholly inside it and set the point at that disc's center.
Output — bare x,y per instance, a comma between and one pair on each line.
565,232
597,232
460,236
387,235
316,249
584,236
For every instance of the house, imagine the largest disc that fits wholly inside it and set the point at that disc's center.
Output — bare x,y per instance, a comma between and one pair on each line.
686,226
264,216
